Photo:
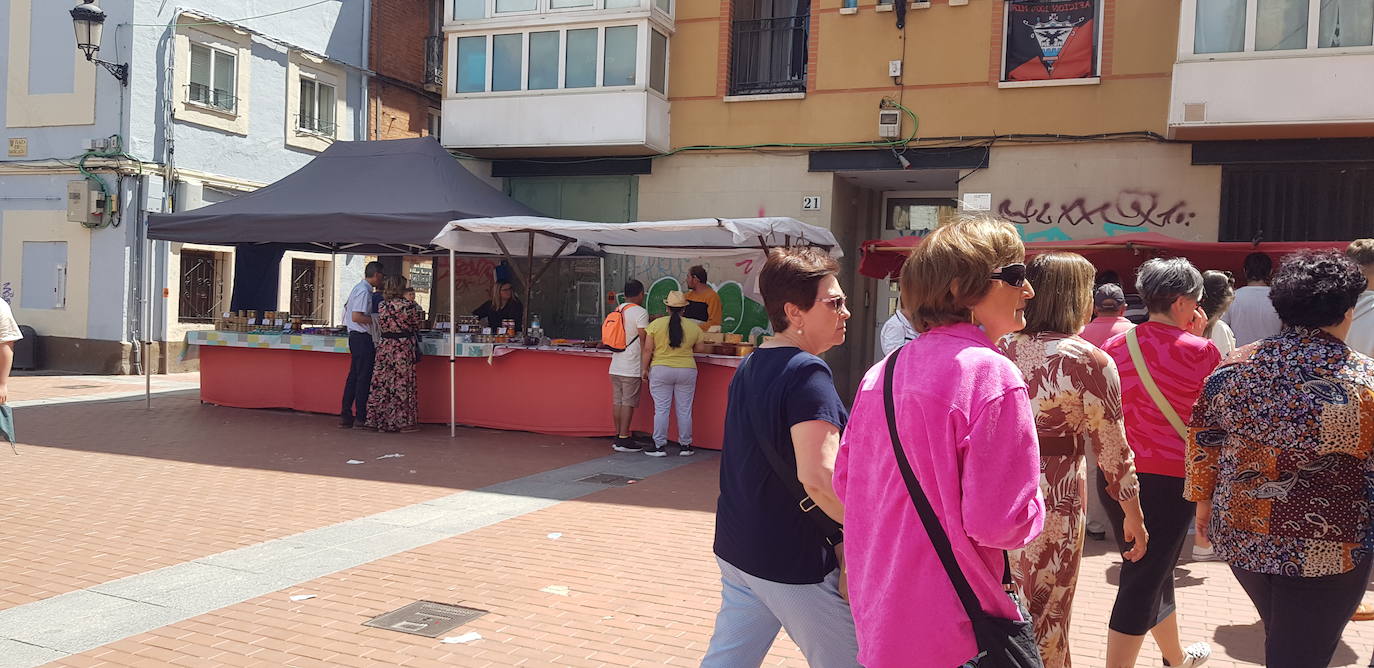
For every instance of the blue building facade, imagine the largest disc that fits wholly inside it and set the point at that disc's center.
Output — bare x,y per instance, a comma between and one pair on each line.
222,97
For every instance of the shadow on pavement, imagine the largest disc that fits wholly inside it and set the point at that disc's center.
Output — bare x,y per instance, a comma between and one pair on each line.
180,428
1182,577
1246,643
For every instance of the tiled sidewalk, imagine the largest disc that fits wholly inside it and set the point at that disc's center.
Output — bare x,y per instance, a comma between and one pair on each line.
105,490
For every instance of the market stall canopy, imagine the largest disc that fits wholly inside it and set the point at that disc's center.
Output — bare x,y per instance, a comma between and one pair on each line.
360,197
701,237
883,258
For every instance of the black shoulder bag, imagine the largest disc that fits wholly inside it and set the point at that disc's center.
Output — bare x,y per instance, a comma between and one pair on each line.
832,530
1002,643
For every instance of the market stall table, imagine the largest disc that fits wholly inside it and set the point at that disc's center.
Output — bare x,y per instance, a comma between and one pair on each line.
563,391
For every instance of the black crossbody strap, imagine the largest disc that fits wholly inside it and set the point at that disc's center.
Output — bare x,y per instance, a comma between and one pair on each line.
934,530
832,530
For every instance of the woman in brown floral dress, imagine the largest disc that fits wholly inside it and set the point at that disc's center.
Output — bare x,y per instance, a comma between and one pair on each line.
393,404
1077,398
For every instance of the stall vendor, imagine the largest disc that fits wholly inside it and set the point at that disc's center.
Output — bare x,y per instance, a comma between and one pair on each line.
502,306
703,304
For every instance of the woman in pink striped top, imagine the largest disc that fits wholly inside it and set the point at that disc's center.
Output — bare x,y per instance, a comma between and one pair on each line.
966,424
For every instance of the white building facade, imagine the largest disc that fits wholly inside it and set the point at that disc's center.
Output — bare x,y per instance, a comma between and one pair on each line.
222,97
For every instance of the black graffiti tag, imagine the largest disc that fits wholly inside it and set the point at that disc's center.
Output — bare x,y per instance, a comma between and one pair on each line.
1130,208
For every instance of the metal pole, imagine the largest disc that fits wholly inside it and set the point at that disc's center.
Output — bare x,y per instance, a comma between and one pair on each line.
148,321
452,353
601,297
529,285
333,283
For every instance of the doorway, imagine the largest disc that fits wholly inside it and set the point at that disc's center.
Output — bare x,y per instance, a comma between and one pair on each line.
906,214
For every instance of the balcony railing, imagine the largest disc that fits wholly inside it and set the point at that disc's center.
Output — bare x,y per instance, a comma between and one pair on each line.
768,55
434,60
313,125
215,98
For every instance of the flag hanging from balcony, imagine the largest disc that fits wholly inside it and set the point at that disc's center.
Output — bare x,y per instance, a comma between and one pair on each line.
1051,40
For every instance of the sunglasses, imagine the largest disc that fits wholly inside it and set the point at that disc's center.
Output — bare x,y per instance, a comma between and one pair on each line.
1012,274
835,303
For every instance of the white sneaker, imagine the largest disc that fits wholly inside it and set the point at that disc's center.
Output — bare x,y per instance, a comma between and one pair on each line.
1195,655
1208,553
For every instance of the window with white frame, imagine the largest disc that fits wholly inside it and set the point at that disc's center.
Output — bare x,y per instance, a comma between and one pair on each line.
567,58
317,106
213,78
1252,26
471,10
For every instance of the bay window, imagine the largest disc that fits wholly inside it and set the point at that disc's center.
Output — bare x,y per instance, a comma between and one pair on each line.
611,56
1255,26
472,10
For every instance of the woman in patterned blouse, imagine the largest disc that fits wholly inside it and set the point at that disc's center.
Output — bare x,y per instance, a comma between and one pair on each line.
1279,462
1076,393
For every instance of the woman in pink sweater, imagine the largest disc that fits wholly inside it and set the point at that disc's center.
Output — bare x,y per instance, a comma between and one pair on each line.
965,422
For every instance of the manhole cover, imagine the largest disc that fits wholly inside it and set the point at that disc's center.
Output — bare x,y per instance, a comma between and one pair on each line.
76,387
609,479
426,618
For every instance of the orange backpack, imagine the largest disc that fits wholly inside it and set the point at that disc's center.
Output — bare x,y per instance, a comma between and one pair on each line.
613,329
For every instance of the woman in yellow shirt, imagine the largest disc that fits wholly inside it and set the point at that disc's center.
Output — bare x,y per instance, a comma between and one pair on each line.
672,373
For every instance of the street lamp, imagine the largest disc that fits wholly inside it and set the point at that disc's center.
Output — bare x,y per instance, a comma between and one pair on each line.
89,21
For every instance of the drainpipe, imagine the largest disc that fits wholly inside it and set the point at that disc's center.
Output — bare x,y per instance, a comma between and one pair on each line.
360,119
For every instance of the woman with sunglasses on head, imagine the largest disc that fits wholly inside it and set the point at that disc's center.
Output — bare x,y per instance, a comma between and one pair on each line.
1163,363
964,422
1077,397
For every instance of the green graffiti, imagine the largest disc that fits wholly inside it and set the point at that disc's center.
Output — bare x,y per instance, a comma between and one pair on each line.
741,314
659,292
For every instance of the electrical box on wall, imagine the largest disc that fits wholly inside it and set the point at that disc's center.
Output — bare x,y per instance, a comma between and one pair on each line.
889,123
85,203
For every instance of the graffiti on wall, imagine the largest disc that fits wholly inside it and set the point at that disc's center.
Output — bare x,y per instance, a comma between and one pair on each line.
1130,208
732,279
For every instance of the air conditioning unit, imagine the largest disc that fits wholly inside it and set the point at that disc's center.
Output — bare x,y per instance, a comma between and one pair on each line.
889,123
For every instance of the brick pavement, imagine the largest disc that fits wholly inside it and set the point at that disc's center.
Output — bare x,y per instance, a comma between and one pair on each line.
119,491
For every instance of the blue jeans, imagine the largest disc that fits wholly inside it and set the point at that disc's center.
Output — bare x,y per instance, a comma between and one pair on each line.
752,610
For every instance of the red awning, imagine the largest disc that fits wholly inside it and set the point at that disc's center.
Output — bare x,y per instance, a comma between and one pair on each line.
883,258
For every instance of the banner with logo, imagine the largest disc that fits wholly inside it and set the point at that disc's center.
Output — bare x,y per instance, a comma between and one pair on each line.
1051,40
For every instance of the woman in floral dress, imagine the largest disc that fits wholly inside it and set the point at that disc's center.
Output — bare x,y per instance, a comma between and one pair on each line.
393,405
1077,398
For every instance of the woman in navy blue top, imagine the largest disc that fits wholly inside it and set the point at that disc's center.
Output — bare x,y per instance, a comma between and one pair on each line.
778,519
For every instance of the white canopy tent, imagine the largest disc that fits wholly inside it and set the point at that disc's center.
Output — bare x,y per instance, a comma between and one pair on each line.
549,238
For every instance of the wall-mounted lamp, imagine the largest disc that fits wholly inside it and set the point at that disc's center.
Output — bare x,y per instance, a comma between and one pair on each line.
88,19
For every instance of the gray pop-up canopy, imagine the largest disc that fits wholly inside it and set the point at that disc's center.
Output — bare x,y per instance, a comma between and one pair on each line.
360,197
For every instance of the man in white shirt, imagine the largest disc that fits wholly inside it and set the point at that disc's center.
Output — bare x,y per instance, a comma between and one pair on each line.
896,332
1252,316
1361,336
625,367
362,350
9,333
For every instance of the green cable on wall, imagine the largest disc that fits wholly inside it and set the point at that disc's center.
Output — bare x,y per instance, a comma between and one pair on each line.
118,152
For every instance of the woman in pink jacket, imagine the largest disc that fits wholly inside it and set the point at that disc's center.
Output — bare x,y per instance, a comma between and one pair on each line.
965,422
